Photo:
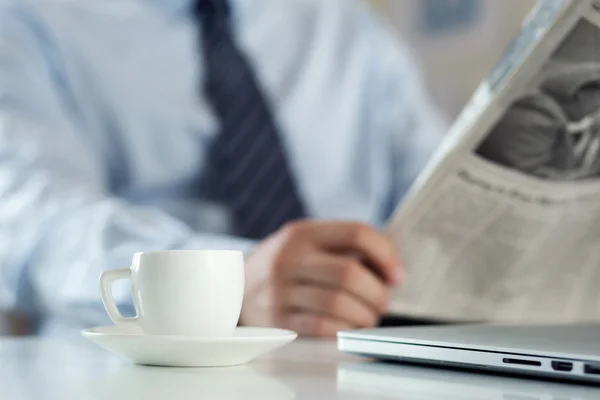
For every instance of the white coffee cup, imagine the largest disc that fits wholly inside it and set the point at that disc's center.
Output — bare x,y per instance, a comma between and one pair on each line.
181,292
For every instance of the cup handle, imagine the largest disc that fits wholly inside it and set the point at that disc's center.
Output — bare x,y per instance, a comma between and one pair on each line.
107,279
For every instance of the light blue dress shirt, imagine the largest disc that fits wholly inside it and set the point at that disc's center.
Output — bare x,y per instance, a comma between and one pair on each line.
103,133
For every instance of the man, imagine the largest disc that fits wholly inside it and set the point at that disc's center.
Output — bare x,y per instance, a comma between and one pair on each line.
285,129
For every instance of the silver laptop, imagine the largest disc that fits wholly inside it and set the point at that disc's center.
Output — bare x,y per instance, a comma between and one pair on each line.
567,352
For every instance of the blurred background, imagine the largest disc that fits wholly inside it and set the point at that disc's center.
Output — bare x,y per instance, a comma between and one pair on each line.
461,39
457,43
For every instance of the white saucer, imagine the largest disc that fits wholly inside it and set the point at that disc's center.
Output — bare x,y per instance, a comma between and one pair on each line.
246,344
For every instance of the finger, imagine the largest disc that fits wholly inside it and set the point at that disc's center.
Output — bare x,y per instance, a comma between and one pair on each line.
309,324
341,273
334,303
373,246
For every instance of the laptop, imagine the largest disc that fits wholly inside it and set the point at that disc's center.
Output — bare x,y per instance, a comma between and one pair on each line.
570,352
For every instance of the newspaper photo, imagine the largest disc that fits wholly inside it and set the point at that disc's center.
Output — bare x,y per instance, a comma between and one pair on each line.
504,223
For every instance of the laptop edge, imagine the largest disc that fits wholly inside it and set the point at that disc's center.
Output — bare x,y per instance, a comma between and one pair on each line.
557,365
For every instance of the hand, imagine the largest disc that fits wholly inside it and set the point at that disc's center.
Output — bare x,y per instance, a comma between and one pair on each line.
317,278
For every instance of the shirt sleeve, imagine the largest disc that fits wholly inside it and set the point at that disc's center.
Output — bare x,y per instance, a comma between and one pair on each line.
418,126
59,224
402,107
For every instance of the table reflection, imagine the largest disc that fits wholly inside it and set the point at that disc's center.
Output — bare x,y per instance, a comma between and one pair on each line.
386,380
146,383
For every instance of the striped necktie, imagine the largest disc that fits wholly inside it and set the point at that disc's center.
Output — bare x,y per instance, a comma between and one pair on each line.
248,157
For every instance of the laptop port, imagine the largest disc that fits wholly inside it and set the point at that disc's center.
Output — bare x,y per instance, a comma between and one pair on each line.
520,361
592,369
562,366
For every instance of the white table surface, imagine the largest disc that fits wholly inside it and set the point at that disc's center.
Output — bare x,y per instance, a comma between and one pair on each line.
305,369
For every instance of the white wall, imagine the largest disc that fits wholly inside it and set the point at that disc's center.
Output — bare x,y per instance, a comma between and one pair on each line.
458,57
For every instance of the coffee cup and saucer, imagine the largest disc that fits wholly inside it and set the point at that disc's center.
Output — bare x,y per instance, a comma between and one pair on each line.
188,304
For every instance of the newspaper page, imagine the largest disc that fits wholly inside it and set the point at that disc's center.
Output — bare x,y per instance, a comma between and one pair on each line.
504,224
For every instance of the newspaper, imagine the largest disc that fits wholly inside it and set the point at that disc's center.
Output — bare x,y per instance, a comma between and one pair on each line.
504,223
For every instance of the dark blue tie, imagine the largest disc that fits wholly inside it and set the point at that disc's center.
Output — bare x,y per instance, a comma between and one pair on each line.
248,157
